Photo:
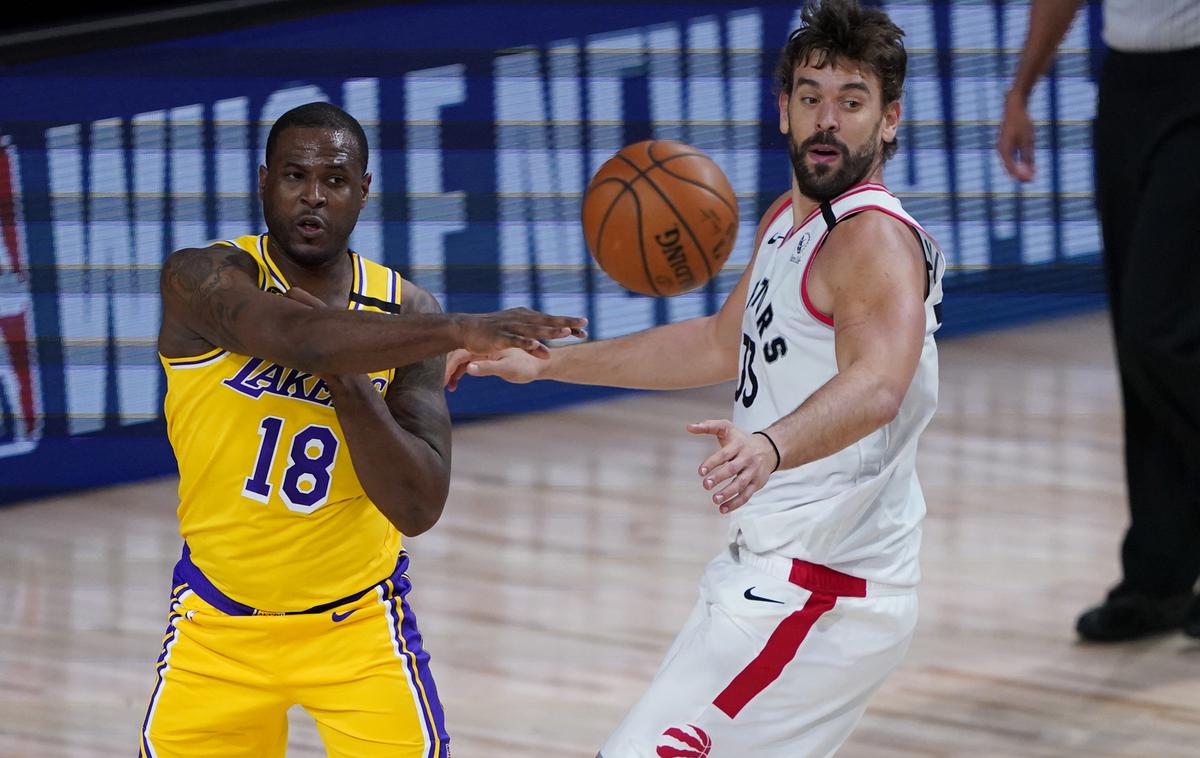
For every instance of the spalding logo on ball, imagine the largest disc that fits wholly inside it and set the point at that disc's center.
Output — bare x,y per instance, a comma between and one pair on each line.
660,217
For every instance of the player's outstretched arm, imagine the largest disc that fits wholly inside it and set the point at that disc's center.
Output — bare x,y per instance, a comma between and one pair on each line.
399,444
1048,24
211,299
692,353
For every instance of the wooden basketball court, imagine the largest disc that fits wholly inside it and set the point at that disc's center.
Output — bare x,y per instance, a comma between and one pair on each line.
571,548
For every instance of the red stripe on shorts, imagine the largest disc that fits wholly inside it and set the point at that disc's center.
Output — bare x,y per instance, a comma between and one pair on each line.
779,651
826,586
816,578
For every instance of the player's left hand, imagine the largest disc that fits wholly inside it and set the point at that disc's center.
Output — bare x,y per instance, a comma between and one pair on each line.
739,469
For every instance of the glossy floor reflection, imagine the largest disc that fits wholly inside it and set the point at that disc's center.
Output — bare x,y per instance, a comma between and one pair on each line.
569,556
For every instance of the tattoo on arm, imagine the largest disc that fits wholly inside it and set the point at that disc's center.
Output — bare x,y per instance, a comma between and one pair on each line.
416,397
201,287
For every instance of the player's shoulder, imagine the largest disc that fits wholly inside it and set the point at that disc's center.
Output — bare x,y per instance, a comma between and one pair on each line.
871,237
193,263
417,299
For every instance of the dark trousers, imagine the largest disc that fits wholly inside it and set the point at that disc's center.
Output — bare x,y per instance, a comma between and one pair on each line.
1147,144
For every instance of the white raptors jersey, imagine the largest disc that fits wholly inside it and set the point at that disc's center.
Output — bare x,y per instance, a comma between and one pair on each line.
859,510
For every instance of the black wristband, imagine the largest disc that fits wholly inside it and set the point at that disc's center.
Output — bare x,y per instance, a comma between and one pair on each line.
778,457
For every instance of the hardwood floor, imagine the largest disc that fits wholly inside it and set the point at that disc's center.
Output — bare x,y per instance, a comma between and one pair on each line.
571,548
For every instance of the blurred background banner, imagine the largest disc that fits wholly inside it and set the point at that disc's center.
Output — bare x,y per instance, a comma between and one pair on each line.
485,123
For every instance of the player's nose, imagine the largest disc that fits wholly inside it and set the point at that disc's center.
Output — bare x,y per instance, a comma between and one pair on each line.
313,194
827,120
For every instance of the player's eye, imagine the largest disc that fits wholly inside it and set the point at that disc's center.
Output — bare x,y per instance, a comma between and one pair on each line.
808,100
853,104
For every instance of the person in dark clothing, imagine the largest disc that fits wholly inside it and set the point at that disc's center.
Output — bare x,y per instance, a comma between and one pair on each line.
1147,157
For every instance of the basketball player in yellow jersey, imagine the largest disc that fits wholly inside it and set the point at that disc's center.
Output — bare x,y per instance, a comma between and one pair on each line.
305,407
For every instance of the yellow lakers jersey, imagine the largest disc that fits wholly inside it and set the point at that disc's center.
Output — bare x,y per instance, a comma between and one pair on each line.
269,503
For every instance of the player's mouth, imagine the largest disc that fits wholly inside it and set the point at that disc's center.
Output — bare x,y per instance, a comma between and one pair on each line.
823,154
310,226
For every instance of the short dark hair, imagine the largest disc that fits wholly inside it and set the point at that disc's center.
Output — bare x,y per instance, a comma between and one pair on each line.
319,115
833,30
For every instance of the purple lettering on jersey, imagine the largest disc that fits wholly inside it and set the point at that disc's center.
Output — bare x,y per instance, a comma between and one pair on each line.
293,384
321,394
238,380
380,383
269,378
252,380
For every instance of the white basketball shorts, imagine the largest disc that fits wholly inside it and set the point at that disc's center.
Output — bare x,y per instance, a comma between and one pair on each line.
777,660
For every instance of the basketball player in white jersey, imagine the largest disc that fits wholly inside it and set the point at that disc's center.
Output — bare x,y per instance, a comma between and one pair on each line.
829,336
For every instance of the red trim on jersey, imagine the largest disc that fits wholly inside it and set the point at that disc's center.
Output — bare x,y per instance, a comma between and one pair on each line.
852,190
811,215
824,318
796,227
779,651
779,212
910,222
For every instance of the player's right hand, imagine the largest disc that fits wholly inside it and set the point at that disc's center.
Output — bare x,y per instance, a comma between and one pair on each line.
1015,142
487,333
512,365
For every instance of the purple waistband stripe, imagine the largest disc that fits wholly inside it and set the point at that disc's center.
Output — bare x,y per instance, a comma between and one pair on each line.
187,573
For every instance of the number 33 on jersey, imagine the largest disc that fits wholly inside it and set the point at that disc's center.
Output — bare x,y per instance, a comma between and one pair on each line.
773,348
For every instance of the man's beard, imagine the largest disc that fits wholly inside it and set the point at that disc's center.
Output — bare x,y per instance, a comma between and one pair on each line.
823,182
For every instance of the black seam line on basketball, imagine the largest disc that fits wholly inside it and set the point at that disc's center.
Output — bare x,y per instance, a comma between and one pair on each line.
663,165
375,302
658,164
604,221
701,185
667,200
642,245
640,173
627,186
641,242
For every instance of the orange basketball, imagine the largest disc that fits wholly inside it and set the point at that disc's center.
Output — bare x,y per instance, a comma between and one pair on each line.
660,217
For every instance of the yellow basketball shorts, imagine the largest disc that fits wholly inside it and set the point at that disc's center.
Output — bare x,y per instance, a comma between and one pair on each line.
226,678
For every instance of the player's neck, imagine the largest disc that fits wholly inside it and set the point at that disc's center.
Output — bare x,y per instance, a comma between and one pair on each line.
803,205
329,280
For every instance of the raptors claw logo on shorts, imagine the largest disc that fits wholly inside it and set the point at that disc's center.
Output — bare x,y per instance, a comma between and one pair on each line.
687,744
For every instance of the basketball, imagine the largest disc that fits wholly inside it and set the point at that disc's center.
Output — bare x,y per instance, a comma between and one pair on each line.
660,218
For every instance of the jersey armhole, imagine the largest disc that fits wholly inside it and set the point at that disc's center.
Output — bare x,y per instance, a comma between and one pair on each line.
826,318
822,318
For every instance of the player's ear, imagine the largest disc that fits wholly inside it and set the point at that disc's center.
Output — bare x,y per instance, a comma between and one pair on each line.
366,188
262,180
783,112
891,121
